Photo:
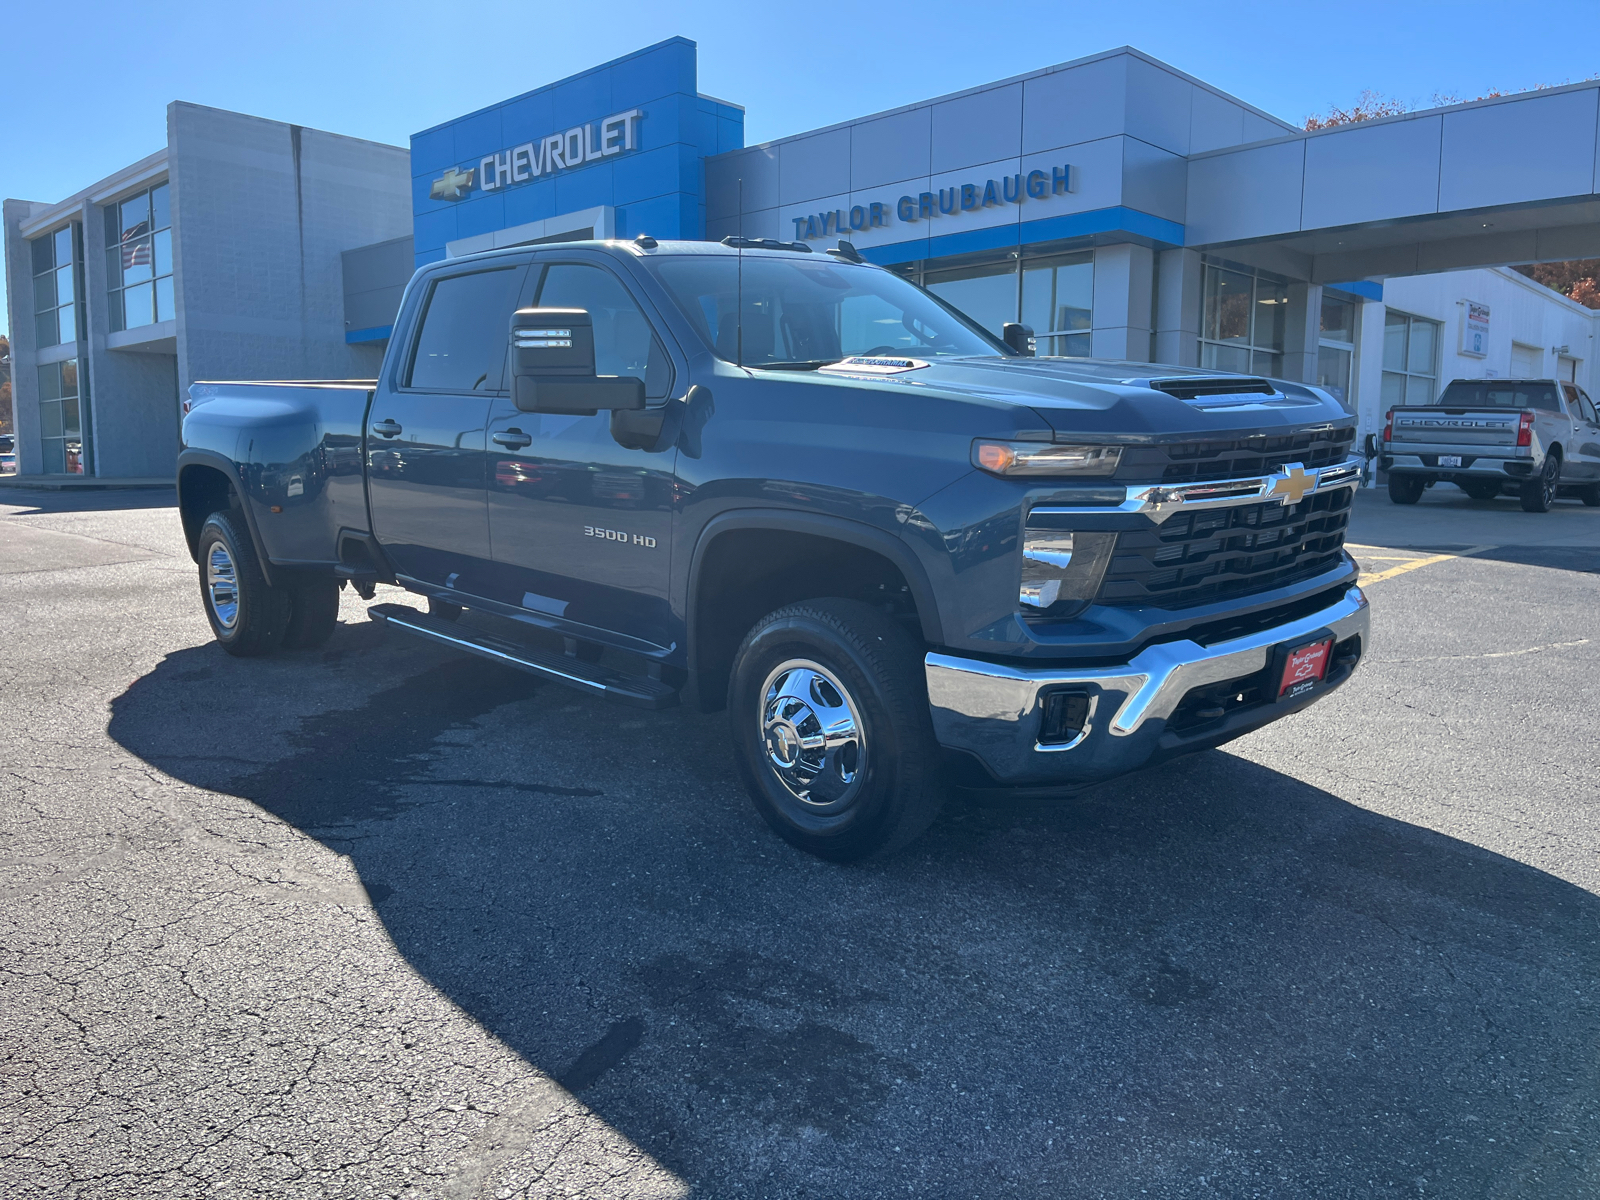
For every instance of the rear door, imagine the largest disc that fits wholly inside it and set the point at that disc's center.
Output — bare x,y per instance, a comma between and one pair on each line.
581,526
426,434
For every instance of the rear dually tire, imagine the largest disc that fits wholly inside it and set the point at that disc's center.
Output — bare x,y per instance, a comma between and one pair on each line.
248,617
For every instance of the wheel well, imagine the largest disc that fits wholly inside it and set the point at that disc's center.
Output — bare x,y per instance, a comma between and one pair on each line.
201,492
747,573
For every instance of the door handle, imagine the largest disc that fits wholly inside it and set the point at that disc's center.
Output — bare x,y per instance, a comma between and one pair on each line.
512,439
387,428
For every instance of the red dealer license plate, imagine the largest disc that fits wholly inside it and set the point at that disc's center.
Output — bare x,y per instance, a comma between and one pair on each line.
1304,668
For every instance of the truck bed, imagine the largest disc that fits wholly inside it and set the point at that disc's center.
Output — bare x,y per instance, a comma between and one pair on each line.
299,499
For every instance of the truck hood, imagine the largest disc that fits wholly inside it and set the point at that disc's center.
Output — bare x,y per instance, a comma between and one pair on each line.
1123,400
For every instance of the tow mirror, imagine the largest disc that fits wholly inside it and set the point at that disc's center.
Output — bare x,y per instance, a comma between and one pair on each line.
552,352
1018,337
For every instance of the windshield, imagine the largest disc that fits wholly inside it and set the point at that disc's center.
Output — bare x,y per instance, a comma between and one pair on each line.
805,312
1499,393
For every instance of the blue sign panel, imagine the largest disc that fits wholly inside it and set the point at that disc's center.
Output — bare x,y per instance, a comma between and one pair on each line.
629,135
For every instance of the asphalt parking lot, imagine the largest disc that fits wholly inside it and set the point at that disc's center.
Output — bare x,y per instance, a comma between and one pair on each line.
379,920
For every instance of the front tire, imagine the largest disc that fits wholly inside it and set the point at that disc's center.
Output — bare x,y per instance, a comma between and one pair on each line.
247,616
1481,489
831,730
1590,495
1406,489
1539,493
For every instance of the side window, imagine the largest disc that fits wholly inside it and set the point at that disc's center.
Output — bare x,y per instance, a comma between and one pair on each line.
1588,407
465,331
624,343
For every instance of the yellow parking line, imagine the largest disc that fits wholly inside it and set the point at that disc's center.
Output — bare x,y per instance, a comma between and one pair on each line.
1420,562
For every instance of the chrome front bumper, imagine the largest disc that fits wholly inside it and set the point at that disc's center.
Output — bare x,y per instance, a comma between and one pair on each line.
993,711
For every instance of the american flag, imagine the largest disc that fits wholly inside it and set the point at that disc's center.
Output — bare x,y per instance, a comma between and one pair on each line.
135,246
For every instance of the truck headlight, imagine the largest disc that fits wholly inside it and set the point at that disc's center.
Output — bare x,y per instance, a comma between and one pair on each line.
1062,570
1044,458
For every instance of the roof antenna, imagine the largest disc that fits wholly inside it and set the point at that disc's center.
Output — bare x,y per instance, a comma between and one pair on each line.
738,296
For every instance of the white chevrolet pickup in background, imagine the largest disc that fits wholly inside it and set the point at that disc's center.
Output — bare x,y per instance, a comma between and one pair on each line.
1537,437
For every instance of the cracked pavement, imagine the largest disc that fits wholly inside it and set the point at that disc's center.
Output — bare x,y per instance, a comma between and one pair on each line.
378,920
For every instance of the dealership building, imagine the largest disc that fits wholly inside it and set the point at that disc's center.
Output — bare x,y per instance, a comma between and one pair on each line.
217,257
1120,207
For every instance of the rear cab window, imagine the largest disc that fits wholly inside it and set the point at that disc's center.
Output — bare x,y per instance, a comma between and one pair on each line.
1500,393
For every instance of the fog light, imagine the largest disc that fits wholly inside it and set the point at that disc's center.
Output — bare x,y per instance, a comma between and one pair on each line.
1062,569
1063,717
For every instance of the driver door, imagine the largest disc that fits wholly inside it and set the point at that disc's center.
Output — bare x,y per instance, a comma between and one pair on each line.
581,526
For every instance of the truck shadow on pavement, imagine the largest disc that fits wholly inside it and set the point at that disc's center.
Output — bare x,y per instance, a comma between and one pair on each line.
1211,979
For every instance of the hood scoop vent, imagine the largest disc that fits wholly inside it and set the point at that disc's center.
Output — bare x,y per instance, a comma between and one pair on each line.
1203,387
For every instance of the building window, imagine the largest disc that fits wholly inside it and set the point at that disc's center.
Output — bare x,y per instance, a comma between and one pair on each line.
55,288
1058,302
139,259
62,419
986,292
1243,319
1410,359
1054,295
1336,348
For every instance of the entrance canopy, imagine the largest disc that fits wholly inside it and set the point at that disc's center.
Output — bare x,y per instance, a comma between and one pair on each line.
1491,183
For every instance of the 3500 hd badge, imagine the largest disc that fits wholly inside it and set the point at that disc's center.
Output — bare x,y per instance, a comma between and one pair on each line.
618,535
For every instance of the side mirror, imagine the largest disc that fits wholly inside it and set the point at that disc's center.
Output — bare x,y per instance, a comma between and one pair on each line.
552,353
1018,337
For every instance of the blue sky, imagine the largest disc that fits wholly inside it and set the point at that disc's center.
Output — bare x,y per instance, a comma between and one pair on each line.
84,97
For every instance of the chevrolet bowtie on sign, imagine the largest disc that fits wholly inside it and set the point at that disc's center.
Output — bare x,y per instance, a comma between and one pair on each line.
453,184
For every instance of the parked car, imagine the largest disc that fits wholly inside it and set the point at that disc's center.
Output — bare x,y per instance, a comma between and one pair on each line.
902,553
1538,438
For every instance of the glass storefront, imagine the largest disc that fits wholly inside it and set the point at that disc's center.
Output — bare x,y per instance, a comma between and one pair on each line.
55,287
139,259
62,419
1336,348
1410,359
1243,319
987,292
1058,302
1054,295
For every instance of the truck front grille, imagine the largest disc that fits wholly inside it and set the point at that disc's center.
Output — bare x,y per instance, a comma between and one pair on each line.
1197,558
1240,458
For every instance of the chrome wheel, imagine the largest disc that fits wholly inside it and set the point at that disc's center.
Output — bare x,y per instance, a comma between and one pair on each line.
222,586
812,734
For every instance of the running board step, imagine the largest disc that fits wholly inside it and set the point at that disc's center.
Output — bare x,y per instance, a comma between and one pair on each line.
638,691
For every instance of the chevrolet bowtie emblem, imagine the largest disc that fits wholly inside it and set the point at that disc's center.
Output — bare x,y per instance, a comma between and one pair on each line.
1293,484
453,184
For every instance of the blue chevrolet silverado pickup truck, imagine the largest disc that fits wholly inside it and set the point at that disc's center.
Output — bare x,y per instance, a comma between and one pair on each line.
903,554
